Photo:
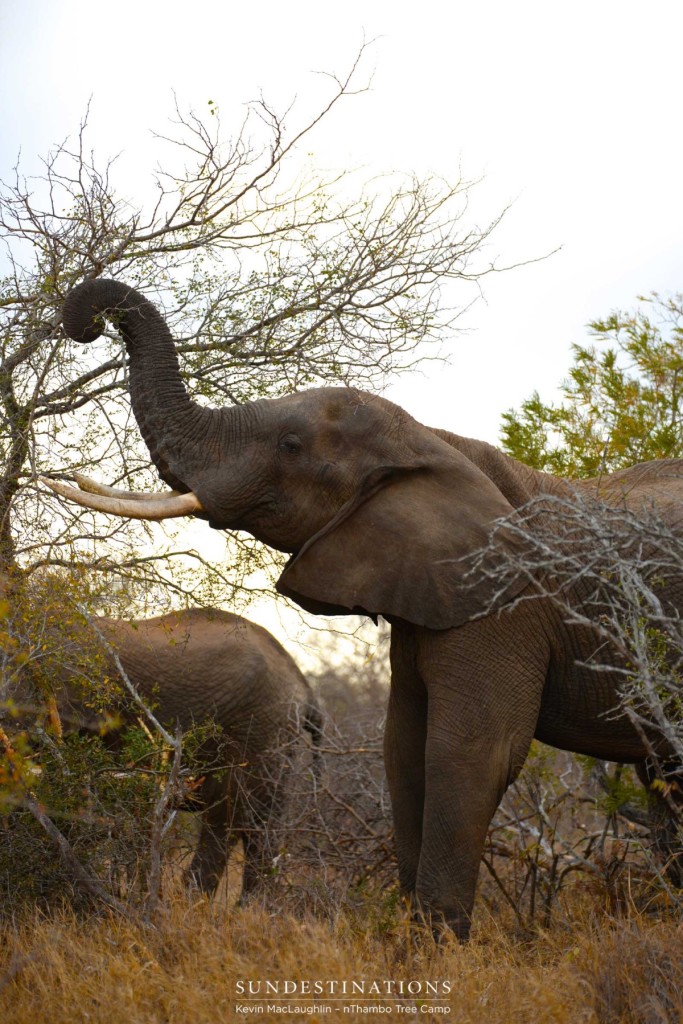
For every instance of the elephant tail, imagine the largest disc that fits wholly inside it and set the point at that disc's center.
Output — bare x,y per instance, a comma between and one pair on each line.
313,724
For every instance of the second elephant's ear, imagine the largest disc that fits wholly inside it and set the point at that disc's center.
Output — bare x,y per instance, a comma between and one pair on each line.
403,547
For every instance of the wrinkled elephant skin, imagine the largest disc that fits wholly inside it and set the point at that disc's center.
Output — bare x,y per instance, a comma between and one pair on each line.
381,516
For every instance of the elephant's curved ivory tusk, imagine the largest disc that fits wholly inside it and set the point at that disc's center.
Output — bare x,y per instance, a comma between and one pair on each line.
155,508
93,487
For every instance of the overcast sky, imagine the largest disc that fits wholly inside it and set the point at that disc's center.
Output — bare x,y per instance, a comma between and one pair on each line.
571,110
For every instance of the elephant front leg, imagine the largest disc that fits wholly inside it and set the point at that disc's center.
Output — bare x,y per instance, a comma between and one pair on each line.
460,802
404,759
483,705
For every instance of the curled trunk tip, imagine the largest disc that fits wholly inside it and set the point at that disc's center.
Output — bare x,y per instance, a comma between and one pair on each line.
87,305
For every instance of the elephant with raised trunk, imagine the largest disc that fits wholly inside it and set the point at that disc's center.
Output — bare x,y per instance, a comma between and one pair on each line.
210,666
382,516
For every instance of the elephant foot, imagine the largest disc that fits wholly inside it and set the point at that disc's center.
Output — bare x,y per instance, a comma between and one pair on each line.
664,784
667,842
197,878
439,923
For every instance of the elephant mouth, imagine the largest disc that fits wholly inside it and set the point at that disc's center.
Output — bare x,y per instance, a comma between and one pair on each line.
127,504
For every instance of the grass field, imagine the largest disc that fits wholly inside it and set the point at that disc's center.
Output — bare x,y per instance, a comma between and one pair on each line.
196,963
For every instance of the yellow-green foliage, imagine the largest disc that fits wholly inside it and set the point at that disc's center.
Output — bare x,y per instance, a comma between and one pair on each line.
99,799
98,789
622,402
45,639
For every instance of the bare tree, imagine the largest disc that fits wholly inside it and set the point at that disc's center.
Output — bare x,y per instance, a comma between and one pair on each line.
269,280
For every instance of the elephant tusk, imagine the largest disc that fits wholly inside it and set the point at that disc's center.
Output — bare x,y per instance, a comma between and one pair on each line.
93,487
158,507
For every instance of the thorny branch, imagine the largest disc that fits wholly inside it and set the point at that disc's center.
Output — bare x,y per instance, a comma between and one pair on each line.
614,571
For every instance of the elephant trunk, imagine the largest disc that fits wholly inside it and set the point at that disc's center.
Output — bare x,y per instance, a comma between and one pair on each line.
172,425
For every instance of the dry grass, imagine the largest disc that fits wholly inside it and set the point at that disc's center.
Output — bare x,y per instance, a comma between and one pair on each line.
604,970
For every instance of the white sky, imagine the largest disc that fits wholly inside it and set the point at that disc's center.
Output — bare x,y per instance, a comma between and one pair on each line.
571,109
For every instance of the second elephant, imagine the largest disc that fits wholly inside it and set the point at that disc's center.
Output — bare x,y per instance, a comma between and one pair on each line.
208,665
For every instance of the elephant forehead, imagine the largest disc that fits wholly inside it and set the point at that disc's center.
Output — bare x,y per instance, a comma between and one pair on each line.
321,406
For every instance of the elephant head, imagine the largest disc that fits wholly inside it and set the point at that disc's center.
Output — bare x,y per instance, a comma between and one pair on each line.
379,514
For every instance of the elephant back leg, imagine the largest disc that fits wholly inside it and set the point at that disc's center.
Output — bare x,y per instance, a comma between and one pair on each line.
664,784
246,806
259,823
216,840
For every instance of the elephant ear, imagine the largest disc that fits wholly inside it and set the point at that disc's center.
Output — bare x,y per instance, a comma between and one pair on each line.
405,547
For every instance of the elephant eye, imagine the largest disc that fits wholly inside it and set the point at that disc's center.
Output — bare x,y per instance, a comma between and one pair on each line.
290,444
